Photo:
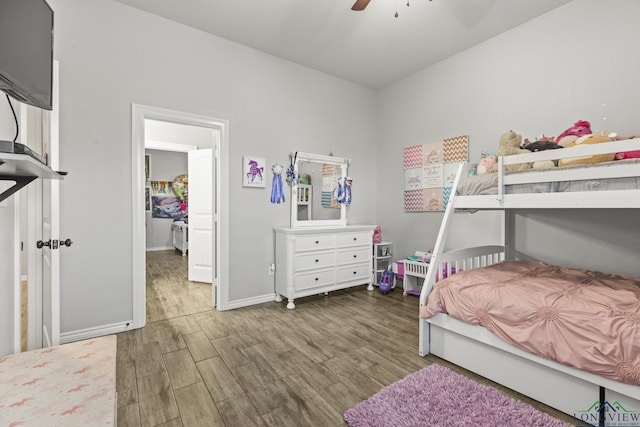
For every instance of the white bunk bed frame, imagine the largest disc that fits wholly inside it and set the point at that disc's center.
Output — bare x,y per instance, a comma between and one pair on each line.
474,347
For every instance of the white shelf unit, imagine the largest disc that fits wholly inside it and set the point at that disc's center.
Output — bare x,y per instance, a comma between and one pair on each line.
382,259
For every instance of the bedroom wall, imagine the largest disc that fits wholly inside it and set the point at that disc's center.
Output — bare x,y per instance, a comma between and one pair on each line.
111,56
165,166
576,62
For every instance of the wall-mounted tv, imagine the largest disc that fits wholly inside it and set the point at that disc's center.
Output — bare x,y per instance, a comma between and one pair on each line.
26,51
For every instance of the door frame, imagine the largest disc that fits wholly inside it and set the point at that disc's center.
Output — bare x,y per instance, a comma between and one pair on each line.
220,287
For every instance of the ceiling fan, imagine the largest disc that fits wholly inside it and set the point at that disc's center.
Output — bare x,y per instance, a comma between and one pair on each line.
362,4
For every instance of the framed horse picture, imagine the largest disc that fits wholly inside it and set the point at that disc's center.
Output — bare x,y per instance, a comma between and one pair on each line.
253,171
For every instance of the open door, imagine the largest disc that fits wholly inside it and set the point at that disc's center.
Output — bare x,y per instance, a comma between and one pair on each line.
44,272
50,264
201,256
51,227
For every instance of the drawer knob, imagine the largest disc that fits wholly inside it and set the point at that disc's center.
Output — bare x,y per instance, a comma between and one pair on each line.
355,272
317,260
316,279
355,238
355,256
317,241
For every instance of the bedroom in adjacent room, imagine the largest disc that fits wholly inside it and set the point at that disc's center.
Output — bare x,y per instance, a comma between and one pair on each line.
173,290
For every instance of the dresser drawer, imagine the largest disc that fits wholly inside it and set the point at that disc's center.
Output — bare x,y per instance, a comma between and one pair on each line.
316,241
315,279
353,255
353,272
353,239
315,260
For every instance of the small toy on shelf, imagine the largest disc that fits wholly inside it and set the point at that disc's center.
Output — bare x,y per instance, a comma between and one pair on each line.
377,234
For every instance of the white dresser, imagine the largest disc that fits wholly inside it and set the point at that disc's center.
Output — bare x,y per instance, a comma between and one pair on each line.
314,260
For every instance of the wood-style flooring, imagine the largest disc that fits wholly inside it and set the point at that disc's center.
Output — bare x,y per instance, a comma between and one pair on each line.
263,365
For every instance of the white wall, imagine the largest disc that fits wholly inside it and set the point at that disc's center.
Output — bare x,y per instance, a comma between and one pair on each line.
165,166
111,56
579,61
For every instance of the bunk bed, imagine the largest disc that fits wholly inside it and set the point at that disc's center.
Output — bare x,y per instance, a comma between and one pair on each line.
503,359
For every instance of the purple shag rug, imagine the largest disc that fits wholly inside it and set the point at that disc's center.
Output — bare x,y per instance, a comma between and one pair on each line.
437,396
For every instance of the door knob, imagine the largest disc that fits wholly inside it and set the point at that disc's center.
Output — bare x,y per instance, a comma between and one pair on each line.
66,243
40,244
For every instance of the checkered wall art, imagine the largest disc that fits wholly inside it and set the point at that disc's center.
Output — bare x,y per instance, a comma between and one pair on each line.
429,171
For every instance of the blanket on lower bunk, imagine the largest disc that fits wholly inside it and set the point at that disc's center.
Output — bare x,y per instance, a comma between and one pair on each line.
584,319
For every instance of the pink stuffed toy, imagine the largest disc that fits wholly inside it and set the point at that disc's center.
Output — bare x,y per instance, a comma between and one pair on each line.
634,154
488,164
579,128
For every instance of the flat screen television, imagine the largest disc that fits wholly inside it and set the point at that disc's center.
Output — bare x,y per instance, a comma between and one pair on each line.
26,51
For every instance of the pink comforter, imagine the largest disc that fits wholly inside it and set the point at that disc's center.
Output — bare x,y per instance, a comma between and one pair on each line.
587,320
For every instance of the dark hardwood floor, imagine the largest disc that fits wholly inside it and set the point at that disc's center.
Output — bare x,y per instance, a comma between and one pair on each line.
262,365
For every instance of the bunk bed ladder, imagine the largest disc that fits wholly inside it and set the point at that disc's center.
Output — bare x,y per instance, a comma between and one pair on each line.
438,249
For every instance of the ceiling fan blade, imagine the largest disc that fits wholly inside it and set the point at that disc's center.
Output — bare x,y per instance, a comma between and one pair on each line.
360,4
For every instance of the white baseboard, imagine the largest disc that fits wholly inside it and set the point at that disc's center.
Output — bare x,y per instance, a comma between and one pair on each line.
167,248
114,328
251,301
98,331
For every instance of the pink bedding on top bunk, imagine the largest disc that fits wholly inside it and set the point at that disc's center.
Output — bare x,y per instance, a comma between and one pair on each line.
587,320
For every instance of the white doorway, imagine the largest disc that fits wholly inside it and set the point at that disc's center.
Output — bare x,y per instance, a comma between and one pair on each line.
220,238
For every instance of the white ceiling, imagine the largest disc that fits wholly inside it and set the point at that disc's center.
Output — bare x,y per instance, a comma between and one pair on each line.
372,47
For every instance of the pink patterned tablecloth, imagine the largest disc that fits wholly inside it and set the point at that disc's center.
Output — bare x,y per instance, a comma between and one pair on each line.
67,385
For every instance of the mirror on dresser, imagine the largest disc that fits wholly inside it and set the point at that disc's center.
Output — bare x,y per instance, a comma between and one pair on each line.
320,253
312,201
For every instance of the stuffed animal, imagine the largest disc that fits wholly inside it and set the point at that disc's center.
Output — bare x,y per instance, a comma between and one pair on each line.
588,139
635,154
542,144
543,140
488,163
509,145
579,128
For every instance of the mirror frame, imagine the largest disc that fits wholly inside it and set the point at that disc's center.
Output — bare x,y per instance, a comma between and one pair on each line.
310,157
